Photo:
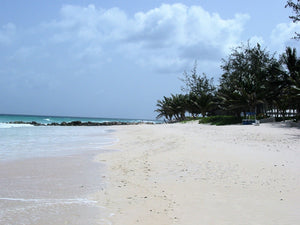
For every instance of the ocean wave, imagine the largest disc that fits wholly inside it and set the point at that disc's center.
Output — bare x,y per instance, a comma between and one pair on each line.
9,125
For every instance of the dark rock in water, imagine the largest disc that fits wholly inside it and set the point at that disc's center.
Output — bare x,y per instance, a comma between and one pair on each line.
30,123
36,124
78,123
75,123
18,122
53,124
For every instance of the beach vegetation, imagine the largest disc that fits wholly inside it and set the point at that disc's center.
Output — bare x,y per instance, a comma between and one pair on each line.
198,98
291,90
220,120
200,92
197,84
253,82
245,79
172,108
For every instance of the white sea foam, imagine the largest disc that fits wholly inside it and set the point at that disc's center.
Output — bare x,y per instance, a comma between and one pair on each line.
53,201
9,125
50,211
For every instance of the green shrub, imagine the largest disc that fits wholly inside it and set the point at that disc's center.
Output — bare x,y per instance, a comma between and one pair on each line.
187,119
220,120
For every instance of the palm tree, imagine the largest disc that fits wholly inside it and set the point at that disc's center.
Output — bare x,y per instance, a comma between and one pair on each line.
164,109
192,106
232,102
174,106
291,78
179,105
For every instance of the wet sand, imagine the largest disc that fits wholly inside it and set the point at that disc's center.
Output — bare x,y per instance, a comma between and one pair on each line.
52,190
201,174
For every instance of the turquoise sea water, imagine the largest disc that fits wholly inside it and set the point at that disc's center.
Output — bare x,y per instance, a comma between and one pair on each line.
20,141
59,119
57,186
24,142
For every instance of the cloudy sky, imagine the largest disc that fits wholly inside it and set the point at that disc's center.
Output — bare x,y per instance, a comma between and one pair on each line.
117,58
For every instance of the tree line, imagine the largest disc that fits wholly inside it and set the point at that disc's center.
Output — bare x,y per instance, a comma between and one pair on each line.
253,80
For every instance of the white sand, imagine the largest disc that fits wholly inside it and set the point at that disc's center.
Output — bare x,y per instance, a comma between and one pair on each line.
193,174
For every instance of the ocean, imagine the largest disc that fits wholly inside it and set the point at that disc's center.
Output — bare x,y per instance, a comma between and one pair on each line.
5,118
21,141
47,173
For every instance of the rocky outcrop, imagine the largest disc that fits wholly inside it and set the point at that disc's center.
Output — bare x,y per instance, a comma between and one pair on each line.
79,123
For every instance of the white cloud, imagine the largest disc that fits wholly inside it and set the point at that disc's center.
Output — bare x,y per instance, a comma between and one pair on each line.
188,33
7,33
282,34
170,34
88,24
256,39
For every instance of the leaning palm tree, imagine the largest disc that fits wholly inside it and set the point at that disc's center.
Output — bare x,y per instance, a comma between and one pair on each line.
172,107
164,108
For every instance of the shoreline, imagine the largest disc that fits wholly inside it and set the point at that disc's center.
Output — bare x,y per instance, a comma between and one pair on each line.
79,123
202,174
51,190
49,175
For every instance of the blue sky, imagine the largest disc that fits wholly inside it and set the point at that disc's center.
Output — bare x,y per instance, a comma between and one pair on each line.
117,58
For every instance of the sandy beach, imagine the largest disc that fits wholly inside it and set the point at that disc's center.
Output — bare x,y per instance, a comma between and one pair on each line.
195,174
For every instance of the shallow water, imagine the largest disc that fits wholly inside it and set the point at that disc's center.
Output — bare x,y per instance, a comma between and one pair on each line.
47,174
30,142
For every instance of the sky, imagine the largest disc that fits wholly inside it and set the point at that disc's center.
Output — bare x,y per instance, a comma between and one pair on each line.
116,58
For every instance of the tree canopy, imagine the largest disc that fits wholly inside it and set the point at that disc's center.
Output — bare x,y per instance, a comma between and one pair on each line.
253,80
243,85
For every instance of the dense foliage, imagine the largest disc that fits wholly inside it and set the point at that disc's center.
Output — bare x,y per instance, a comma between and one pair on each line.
220,120
245,85
253,80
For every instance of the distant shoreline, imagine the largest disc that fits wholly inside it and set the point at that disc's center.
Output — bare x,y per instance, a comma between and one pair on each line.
79,123
39,120
73,117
